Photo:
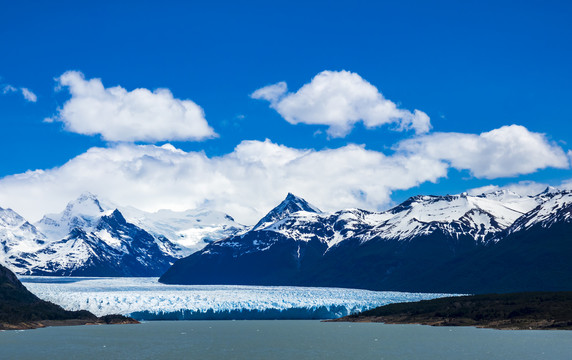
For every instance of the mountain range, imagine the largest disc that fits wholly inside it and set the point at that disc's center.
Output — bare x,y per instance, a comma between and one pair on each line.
94,238
494,242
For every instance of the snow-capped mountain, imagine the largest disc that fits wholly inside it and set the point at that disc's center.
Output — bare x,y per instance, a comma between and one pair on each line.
18,238
84,239
192,230
108,247
555,207
92,237
478,217
455,243
299,245
83,213
292,204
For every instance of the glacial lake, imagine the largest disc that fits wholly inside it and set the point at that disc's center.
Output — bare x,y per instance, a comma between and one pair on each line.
281,339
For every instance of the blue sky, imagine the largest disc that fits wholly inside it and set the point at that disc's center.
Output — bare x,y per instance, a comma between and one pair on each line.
472,67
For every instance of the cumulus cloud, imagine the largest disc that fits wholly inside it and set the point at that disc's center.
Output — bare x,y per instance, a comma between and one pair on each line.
504,152
245,183
120,115
26,93
340,99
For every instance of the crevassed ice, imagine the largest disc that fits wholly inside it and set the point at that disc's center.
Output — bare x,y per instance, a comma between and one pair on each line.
146,299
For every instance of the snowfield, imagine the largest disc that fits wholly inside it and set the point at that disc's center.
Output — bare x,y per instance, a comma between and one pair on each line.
147,299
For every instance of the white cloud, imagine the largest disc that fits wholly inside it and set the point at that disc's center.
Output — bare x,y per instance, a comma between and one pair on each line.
120,115
26,93
340,99
504,152
245,183
257,175
8,89
272,93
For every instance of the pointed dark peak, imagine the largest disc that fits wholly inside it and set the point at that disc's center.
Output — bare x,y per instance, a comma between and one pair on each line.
407,204
115,217
289,205
550,190
291,197
293,203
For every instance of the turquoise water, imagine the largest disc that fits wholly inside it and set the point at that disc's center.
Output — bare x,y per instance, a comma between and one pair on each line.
282,339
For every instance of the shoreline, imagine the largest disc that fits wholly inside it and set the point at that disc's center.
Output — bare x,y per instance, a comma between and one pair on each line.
38,324
516,311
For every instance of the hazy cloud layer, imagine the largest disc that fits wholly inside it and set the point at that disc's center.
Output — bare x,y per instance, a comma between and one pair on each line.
120,115
257,175
522,187
340,99
504,152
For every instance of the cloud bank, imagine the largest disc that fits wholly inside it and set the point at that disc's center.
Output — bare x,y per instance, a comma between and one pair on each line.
340,99
257,175
245,183
120,115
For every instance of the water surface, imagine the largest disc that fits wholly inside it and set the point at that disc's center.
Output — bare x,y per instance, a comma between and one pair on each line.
282,339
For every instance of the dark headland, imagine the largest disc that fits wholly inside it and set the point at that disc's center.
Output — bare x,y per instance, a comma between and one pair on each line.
20,309
516,311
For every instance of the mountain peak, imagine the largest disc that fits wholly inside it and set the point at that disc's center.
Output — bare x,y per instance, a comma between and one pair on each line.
114,219
86,204
289,205
9,217
291,196
550,190
81,212
293,203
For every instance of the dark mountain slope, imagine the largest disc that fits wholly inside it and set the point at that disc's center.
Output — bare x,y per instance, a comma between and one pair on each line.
536,259
20,309
457,244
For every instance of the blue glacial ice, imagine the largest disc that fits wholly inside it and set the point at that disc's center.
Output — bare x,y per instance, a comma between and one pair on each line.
147,299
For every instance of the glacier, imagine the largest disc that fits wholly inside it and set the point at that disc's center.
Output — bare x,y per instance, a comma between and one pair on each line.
147,299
